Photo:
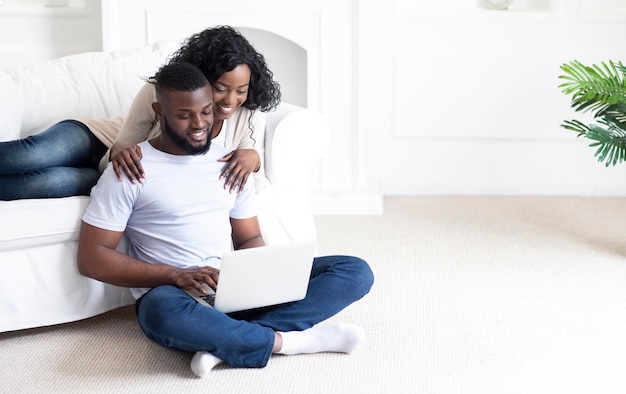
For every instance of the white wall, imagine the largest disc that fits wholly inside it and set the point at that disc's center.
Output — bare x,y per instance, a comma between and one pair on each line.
30,31
464,100
423,97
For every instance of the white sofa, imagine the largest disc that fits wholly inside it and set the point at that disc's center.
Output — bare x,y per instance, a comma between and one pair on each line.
39,281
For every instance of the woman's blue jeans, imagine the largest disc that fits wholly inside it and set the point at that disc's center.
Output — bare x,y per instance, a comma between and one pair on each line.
59,162
172,318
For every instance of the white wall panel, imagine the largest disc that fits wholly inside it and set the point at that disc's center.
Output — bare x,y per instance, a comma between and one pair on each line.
474,105
31,32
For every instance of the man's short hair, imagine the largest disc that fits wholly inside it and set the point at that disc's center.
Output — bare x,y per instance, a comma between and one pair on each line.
180,76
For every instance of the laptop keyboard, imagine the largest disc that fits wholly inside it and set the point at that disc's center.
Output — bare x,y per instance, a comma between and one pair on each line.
209,299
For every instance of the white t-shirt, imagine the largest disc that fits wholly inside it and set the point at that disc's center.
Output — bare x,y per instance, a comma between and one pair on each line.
179,216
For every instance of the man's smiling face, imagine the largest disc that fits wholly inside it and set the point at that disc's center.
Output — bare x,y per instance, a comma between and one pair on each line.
186,121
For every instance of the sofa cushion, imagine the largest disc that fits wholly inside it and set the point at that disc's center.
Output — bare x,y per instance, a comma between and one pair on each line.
37,222
93,85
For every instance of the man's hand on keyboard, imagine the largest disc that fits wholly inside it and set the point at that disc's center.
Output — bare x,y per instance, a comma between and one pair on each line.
203,279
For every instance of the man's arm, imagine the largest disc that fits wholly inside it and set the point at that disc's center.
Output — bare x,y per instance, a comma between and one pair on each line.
246,233
98,259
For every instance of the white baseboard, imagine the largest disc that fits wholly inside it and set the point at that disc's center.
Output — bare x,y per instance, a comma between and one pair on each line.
347,204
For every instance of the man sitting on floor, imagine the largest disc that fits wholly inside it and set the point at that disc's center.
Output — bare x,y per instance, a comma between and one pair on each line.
180,221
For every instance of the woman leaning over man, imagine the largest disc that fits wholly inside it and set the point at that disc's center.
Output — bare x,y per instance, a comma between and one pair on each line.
63,161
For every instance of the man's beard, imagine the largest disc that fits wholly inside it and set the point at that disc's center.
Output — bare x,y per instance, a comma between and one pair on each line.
183,143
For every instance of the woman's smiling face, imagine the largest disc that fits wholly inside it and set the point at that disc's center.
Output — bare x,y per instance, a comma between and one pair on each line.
230,91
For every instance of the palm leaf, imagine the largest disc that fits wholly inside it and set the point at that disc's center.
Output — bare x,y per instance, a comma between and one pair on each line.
576,126
610,143
615,113
601,90
594,88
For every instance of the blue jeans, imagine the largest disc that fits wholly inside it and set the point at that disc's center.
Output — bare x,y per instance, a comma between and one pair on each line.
172,318
60,162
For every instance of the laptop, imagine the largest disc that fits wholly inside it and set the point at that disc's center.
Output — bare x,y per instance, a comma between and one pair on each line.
259,277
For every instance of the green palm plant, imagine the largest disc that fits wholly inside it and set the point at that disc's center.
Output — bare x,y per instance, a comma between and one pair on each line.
600,90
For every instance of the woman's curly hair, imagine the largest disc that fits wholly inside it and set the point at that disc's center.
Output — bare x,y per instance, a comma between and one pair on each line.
220,49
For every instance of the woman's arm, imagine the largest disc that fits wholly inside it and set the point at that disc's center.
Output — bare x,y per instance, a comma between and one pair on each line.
138,127
248,136
141,117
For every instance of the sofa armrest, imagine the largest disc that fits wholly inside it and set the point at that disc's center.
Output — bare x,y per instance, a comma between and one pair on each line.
295,138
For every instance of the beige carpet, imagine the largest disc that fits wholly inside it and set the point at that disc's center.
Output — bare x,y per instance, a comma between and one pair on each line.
472,295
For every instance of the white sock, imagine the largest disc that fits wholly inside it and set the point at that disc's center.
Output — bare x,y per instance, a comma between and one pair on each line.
334,337
203,362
